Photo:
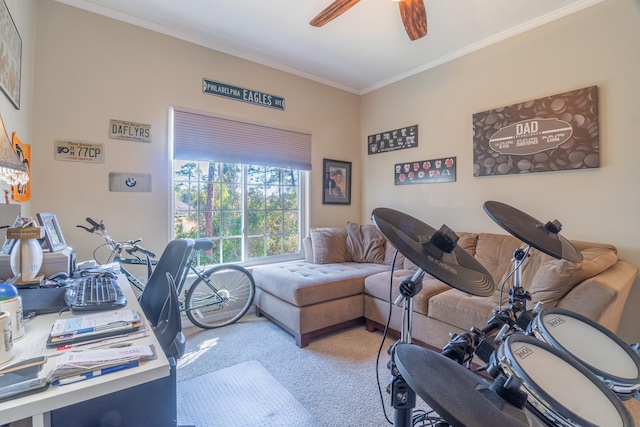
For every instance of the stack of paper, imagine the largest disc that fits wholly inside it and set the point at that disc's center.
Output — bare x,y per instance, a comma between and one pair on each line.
98,362
93,327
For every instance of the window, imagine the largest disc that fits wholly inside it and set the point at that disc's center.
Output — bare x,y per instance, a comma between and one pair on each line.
252,210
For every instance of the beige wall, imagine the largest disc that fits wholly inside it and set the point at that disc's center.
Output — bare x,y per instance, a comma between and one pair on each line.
597,46
90,69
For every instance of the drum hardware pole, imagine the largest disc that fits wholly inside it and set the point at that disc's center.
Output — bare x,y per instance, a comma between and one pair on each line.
517,295
403,398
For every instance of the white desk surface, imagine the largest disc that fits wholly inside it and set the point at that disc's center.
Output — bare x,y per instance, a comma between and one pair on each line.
37,405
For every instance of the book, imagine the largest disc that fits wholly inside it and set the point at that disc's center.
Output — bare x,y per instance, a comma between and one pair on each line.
21,371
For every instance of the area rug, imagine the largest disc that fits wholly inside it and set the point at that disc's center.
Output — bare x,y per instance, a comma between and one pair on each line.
241,395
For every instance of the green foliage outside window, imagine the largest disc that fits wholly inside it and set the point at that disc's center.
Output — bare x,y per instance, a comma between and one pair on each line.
247,211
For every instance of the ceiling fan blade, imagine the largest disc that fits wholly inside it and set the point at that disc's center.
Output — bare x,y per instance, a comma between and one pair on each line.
334,10
414,18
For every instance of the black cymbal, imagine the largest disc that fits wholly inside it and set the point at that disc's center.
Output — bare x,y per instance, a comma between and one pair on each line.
460,396
414,239
544,237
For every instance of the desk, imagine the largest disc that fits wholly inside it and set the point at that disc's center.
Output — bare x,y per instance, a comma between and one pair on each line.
37,406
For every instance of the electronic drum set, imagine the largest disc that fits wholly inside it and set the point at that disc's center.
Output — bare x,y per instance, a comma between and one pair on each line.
550,367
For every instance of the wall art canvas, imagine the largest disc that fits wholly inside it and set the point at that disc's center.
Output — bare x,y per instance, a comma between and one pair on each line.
392,140
558,132
10,56
426,171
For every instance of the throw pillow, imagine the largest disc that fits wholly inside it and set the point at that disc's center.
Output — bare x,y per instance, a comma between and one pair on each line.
329,245
307,248
555,278
365,243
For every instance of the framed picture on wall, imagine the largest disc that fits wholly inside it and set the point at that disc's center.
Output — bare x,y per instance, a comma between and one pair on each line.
336,182
11,54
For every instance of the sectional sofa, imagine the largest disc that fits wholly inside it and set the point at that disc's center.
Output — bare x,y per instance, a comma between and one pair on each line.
349,275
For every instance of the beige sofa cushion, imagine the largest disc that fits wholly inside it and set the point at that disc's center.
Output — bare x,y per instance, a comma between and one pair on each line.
556,277
329,245
365,243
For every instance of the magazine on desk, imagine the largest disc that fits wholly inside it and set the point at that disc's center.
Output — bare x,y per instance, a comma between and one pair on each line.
99,361
93,327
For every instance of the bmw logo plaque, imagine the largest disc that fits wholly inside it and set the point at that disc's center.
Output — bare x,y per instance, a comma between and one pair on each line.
129,182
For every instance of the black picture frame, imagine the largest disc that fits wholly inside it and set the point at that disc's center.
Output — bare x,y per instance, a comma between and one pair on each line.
52,232
11,52
336,182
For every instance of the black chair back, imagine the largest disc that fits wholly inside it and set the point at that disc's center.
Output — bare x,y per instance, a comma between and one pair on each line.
159,300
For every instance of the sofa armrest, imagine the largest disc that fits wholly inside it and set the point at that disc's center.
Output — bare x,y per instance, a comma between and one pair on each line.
602,297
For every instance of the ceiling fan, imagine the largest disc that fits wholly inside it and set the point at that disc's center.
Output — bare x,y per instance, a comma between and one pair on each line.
412,12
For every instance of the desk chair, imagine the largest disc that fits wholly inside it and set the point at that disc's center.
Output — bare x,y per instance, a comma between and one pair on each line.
159,300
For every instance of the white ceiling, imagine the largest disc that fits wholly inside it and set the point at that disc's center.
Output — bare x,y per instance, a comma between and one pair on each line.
362,50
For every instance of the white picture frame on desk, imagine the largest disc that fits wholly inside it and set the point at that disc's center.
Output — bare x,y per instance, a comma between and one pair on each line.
52,231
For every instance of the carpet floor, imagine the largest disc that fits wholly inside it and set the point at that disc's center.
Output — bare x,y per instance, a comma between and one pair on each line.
334,378
241,395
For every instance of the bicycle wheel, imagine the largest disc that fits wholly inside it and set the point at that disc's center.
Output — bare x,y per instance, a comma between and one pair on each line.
221,296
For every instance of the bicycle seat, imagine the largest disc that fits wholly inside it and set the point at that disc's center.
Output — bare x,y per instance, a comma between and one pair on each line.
203,244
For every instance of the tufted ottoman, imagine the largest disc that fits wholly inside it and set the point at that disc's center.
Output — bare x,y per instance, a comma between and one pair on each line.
309,299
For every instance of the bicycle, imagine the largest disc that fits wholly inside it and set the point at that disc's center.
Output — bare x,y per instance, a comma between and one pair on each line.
219,296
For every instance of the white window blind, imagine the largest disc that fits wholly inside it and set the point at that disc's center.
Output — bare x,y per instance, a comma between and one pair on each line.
202,137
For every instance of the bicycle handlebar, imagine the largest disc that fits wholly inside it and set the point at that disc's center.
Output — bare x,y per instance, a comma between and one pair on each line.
142,250
131,247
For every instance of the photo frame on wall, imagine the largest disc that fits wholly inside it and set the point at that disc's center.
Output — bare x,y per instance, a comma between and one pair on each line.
52,232
336,182
11,54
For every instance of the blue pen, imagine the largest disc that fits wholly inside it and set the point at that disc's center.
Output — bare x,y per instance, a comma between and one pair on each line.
82,377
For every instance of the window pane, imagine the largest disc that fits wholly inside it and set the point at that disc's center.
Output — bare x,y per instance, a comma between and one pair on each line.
231,196
291,222
273,176
274,200
274,245
256,197
274,222
231,173
290,198
290,177
256,222
256,247
255,174
231,223
291,244
232,250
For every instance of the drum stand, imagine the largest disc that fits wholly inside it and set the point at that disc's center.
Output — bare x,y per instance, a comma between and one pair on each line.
403,398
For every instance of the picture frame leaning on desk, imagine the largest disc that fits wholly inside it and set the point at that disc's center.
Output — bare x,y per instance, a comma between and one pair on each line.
54,238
